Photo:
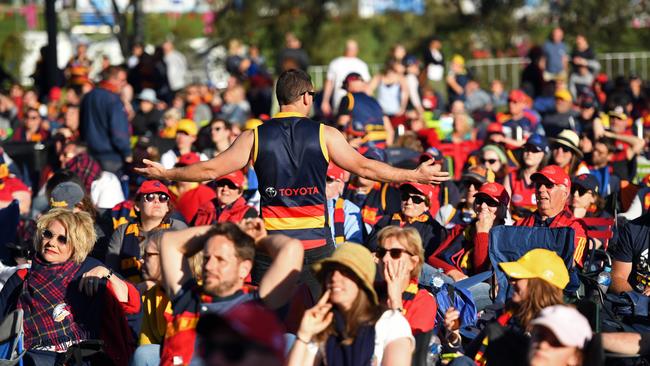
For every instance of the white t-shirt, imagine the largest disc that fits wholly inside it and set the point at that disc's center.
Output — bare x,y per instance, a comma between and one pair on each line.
106,191
391,326
169,158
338,69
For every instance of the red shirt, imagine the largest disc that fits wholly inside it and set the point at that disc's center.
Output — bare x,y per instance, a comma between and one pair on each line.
188,204
8,186
419,309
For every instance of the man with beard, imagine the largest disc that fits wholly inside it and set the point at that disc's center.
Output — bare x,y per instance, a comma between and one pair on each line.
228,254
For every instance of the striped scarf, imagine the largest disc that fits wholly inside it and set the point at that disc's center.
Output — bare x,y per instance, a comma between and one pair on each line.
49,322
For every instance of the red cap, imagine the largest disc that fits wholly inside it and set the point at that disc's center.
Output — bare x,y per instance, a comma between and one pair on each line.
495,191
55,94
236,177
554,174
152,186
495,127
188,159
518,96
335,172
252,322
425,189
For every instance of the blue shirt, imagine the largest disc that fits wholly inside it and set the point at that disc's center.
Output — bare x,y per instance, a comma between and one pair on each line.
352,223
554,53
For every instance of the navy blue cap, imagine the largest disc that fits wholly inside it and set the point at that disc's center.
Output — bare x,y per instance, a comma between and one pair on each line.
537,141
410,60
431,153
374,154
586,181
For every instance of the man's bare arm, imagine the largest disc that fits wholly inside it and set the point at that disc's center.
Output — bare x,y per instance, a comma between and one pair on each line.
620,273
279,281
175,248
627,343
343,155
234,158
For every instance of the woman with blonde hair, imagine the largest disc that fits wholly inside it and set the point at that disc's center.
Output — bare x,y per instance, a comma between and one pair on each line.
67,297
348,326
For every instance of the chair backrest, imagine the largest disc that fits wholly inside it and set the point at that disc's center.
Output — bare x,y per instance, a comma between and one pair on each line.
509,243
599,228
11,333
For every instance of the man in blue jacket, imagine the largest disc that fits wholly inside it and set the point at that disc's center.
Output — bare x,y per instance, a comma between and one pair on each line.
103,121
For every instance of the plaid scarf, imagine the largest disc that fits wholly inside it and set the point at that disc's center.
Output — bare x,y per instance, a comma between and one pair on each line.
86,168
49,321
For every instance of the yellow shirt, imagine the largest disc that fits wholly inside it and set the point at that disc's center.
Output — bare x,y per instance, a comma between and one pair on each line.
157,309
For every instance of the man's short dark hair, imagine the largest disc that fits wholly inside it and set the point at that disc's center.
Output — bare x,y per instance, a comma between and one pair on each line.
244,244
292,84
112,71
609,144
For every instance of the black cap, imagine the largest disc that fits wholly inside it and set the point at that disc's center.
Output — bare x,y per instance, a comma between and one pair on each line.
586,181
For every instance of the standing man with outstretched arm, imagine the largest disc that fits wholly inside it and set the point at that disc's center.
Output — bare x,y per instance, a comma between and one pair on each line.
291,154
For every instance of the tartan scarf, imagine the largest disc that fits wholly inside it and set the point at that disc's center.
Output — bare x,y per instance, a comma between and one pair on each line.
86,168
48,320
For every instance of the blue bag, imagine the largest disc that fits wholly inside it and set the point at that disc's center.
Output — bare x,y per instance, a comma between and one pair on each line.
461,299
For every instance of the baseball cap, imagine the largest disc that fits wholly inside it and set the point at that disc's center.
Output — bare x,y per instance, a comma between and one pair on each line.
568,325
564,95
539,263
152,186
431,153
188,159
251,321
425,189
586,181
478,173
148,95
494,127
236,177
538,141
66,195
554,174
353,76
373,153
586,101
188,126
458,59
518,96
618,113
335,172
359,260
494,191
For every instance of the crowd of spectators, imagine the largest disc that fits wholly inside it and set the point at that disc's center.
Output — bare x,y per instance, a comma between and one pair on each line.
211,269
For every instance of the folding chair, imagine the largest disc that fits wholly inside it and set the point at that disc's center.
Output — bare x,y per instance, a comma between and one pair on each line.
11,339
509,243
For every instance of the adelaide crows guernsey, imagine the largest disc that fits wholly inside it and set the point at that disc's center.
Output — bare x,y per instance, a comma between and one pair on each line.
291,159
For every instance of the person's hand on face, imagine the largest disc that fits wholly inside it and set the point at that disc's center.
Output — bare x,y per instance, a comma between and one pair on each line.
396,273
316,319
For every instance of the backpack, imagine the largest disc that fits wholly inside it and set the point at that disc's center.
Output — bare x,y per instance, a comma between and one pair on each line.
461,299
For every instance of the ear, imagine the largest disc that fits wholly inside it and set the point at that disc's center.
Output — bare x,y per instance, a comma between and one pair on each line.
245,268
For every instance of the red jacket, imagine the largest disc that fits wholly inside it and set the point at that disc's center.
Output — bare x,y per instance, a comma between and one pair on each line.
211,212
458,245
563,219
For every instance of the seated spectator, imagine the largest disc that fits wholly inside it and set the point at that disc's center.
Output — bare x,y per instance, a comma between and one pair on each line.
235,108
170,120
564,116
602,154
414,213
86,301
186,132
630,262
400,255
104,187
229,204
228,254
463,213
522,122
585,200
347,325
195,107
493,157
344,216
32,128
12,188
628,146
219,138
519,184
125,249
147,119
559,336
249,328
465,250
537,280
189,196
640,203
566,153
552,190
476,99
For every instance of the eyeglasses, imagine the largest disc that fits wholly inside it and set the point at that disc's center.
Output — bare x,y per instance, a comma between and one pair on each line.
489,161
47,234
395,253
226,183
532,149
162,197
415,198
480,200
581,191
310,93
560,147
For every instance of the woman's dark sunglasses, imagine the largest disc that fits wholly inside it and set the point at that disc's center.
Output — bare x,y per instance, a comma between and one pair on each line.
416,199
226,183
561,147
490,202
162,197
491,161
47,234
581,191
395,253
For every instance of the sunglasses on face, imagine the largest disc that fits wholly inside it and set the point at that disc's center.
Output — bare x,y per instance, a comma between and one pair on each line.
547,184
162,197
415,198
226,183
581,191
395,253
489,161
480,200
561,147
47,234
532,149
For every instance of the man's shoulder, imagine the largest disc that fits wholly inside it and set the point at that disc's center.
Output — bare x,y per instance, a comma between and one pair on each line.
640,223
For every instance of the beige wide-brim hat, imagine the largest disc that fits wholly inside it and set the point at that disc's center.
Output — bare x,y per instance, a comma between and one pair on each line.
569,139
